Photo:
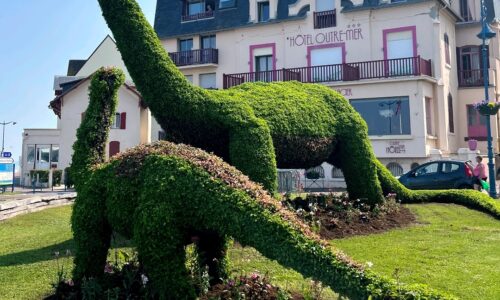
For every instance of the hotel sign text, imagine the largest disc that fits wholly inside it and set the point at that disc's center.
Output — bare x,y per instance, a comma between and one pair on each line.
336,36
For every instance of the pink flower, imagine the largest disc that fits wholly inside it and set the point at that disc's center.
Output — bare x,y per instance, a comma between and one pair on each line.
70,282
108,268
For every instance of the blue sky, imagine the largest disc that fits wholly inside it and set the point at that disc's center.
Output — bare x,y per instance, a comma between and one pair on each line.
38,37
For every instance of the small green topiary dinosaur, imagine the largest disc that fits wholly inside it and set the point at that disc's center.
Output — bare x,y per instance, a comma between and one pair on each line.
161,195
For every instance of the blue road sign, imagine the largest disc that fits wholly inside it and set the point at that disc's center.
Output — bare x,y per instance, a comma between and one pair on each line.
7,154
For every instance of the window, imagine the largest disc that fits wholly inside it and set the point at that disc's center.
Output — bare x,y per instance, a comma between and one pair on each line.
427,169
114,148
185,45
227,3
264,64
470,66
385,116
263,11
208,81
30,156
116,124
399,49
54,154
476,123
162,136
451,121
189,78
325,5
337,173
447,49
208,42
332,57
44,156
429,116
449,167
194,7
465,12
395,168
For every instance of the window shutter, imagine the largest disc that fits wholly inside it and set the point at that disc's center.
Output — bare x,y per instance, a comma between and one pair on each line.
123,121
114,148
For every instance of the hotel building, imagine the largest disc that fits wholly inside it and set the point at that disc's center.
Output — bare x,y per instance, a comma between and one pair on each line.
411,68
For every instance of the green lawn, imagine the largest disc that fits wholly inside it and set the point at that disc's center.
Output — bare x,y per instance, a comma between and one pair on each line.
453,249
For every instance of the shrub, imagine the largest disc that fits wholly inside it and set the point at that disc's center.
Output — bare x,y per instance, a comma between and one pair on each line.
40,176
57,177
68,181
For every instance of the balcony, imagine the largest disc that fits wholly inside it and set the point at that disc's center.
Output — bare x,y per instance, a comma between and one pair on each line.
325,19
470,78
195,57
198,16
390,68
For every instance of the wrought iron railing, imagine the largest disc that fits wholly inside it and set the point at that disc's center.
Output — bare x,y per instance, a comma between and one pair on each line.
198,16
195,57
325,19
469,78
411,66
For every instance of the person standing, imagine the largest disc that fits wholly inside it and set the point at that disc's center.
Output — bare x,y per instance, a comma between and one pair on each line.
480,173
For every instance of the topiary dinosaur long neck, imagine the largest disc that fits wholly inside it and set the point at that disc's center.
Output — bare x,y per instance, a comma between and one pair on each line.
153,72
91,136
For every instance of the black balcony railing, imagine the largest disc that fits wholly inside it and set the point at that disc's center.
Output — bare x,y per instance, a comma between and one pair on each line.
469,78
195,57
198,16
325,19
411,66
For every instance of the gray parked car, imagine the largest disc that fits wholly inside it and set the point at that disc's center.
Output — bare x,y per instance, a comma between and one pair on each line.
439,175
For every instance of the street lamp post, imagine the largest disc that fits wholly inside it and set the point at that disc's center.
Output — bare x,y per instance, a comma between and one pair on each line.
3,133
486,34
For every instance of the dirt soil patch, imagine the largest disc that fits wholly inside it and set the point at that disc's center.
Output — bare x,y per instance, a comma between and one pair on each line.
336,228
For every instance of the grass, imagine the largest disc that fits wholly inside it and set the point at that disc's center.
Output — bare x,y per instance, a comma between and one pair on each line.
453,249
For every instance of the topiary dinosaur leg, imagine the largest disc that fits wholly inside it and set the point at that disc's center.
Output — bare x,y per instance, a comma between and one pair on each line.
356,159
212,251
91,231
251,151
161,250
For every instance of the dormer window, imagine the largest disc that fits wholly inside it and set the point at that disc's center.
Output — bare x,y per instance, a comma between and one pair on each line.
263,11
198,9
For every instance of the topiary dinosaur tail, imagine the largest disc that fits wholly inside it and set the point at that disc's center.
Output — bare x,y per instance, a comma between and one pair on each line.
470,198
91,136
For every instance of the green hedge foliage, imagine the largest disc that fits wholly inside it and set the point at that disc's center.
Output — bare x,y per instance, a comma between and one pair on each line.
90,146
161,195
42,176
256,126
164,196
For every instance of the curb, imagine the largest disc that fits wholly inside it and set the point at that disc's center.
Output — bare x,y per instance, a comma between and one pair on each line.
12,208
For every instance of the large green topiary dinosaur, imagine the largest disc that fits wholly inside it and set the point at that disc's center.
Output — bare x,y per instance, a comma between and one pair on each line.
302,124
162,194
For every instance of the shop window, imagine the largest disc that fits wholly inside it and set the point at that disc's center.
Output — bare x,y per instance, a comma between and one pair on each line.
30,156
54,154
385,116
263,11
395,168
